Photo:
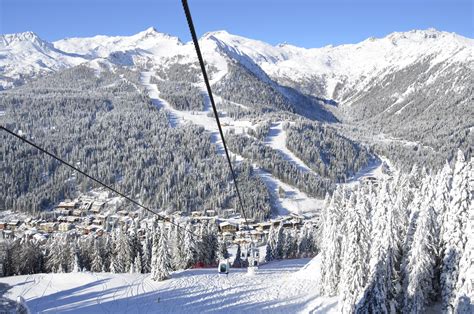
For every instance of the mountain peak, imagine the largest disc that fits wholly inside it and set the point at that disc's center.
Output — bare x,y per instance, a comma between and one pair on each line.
151,32
216,34
18,38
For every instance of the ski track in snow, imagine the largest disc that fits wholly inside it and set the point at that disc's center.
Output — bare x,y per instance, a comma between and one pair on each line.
287,286
294,201
276,139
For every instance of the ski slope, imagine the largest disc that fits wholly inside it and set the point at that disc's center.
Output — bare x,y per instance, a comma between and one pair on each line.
294,201
287,286
276,139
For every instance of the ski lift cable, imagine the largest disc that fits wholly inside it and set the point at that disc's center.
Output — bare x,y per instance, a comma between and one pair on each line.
161,217
187,12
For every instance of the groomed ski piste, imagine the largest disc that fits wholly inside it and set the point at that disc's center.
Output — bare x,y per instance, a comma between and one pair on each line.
295,200
286,286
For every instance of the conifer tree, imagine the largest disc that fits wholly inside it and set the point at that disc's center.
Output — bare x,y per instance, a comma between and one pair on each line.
422,257
97,264
161,260
378,296
237,263
331,244
454,236
223,253
355,248
189,253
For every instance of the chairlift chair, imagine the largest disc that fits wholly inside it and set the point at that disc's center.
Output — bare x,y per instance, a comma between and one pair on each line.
223,267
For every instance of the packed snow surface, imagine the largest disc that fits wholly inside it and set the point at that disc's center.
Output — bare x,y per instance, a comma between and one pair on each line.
288,286
276,139
294,201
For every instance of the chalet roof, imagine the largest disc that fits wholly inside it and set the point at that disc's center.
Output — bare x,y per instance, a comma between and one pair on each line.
66,204
226,223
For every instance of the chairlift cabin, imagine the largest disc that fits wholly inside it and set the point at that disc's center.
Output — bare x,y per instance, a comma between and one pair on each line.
223,267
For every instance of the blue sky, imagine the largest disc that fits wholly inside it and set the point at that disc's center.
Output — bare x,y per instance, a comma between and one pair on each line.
307,23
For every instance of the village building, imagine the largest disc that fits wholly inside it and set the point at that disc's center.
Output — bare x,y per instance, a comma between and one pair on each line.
228,236
66,205
211,213
65,226
264,226
228,227
7,234
40,238
196,213
123,213
97,207
13,224
73,219
77,212
48,226
63,211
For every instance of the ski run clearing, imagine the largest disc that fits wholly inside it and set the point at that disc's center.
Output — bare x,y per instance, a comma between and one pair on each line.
287,286
295,201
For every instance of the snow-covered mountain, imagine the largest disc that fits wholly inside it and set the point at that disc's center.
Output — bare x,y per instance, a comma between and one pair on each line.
358,64
420,76
148,41
25,55
318,71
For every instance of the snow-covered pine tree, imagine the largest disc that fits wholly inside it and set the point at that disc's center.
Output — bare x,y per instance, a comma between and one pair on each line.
177,241
443,184
147,245
377,296
420,270
323,217
237,263
30,259
331,234
107,250
212,244
271,242
355,249
137,265
223,253
161,260
135,246
418,193
189,246
279,242
291,243
463,302
454,235
201,249
173,245
76,267
123,253
268,253
97,264
303,243
53,255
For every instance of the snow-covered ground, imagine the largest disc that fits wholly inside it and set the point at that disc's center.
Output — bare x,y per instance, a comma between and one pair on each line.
294,200
276,139
288,286
377,168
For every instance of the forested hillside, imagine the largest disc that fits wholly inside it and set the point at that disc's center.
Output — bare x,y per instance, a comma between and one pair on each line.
401,244
105,125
